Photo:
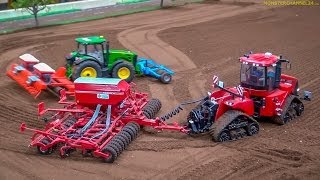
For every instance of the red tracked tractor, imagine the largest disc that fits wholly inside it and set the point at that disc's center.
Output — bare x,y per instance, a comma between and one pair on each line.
107,114
35,76
264,92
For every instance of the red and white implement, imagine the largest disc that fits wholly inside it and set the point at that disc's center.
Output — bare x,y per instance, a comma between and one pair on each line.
36,77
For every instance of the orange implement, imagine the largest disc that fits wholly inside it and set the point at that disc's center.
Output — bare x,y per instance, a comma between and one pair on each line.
26,79
61,80
31,81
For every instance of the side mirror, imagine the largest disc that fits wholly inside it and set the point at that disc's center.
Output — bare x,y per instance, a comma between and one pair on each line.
288,66
220,84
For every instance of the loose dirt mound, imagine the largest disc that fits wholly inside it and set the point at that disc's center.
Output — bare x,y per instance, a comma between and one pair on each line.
196,52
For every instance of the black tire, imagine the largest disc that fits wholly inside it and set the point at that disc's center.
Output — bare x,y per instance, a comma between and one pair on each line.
149,112
45,141
157,102
124,64
116,147
126,139
86,63
131,130
119,142
128,135
166,78
123,140
146,113
153,109
112,154
135,125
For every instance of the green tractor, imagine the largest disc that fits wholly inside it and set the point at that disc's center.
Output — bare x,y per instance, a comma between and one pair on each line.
93,58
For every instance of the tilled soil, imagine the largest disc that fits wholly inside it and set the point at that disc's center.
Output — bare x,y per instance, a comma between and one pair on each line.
197,41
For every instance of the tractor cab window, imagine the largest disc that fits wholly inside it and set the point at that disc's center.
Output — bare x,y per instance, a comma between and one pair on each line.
271,76
253,76
82,48
94,48
96,51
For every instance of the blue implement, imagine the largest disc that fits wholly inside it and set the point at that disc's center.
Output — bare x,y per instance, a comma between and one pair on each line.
150,68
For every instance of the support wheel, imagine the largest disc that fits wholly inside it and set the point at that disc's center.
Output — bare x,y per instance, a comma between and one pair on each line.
165,78
224,136
252,129
43,151
112,154
88,68
123,70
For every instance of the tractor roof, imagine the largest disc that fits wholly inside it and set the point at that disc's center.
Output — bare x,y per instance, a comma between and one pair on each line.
91,40
262,59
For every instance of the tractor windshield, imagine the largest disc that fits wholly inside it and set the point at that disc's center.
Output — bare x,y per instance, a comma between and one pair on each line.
253,76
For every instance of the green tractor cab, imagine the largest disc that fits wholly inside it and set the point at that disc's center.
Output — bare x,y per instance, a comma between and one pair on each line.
93,58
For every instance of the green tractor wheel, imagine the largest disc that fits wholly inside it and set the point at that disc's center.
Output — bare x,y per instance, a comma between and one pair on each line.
123,70
87,69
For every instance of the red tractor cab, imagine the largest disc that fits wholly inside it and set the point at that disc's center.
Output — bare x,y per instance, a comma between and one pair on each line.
270,90
262,71
229,113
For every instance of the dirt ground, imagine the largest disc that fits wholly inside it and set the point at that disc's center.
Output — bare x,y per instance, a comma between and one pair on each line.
197,41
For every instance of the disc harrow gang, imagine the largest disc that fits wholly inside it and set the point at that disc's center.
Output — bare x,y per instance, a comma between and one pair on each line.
152,108
119,143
